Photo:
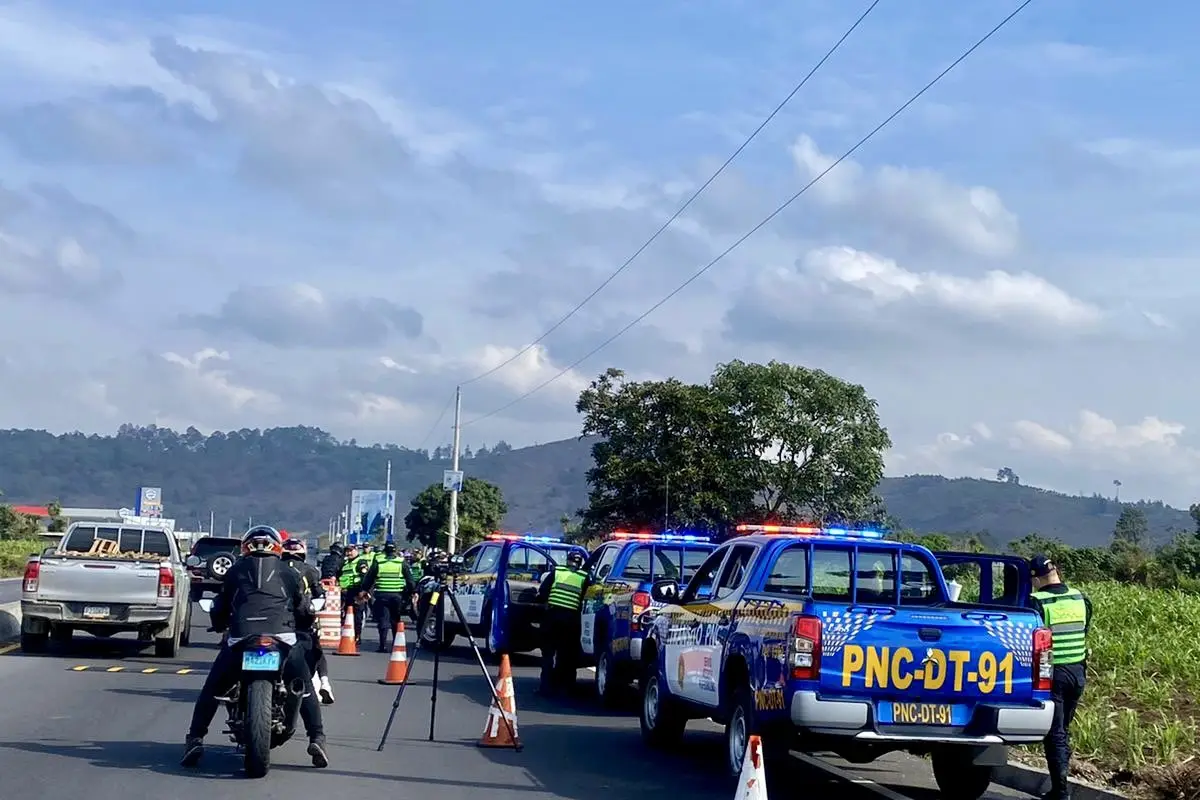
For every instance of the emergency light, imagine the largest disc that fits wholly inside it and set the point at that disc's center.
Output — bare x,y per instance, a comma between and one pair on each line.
658,537
516,537
809,530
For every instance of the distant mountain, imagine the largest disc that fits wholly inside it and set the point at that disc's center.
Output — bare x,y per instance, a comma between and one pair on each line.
299,477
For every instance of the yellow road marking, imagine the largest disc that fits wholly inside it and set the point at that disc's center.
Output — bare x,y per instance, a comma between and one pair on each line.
80,669
150,671
115,669
140,671
8,648
183,672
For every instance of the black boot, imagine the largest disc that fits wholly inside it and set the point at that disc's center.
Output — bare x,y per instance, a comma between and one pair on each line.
316,749
193,751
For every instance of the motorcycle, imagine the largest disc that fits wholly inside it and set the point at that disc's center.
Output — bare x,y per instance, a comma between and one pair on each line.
261,708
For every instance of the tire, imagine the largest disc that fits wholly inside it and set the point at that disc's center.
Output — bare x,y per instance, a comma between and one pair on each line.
218,566
260,696
34,642
957,778
168,648
743,723
661,720
185,636
608,679
61,634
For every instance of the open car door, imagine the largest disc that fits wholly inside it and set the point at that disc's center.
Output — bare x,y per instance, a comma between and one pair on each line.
1003,580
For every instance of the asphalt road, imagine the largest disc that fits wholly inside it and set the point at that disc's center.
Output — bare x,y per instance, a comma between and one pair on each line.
117,735
10,590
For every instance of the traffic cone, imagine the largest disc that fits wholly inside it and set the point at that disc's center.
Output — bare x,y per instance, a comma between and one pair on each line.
495,732
347,646
752,782
397,668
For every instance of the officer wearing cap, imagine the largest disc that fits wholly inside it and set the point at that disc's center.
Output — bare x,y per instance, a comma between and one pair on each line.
562,592
1068,615
391,580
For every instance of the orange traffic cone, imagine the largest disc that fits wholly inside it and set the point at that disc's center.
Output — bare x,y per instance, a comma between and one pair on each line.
497,732
752,782
347,646
397,668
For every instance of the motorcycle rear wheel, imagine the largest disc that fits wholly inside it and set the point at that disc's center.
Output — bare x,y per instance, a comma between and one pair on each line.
260,695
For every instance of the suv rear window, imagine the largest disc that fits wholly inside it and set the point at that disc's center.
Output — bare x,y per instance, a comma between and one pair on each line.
203,548
559,554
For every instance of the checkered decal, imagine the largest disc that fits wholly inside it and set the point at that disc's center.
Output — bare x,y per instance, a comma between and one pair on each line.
838,628
1016,636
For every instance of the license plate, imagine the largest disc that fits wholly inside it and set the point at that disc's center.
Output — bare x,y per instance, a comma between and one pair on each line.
261,662
922,714
96,612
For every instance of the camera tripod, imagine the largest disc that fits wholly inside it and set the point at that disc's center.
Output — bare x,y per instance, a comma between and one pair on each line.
437,606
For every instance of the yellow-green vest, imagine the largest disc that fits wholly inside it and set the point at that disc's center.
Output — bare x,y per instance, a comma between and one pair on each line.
389,574
1065,615
567,589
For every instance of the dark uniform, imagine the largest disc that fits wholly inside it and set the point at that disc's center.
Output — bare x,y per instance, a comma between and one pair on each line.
331,565
310,578
391,580
562,592
1068,615
350,582
258,596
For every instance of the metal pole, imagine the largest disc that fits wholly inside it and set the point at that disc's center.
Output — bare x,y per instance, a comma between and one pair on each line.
212,521
452,544
387,504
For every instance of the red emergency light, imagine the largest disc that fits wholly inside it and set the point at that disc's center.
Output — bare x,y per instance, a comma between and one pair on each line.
806,530
628,536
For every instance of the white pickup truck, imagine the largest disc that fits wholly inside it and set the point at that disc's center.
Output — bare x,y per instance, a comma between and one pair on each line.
105,579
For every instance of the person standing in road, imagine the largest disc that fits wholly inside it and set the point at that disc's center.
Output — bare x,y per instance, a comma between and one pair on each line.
562,592
295,555
350,582
1067,613
331,565
391,581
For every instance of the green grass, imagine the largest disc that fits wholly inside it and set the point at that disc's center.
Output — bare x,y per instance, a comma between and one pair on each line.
13,553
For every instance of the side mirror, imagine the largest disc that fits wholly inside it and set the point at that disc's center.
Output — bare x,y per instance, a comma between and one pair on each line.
193,561
318,603
206,605
664,591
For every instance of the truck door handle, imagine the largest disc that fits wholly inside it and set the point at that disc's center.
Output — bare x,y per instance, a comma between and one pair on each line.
879,611
984,615
930,634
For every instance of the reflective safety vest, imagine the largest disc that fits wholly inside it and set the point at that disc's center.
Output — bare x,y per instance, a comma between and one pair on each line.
349,574
1065,615
567,589
389,576
417,570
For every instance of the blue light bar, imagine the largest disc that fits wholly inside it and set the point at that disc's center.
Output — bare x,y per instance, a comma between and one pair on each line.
658,537
515,537
808,530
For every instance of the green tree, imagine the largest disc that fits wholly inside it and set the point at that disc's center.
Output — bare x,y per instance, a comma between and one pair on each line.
1194,513
667,456
812,444
58,522
481,509
1128,545
14,525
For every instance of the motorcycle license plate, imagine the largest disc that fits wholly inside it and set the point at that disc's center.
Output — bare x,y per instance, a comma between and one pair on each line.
260,662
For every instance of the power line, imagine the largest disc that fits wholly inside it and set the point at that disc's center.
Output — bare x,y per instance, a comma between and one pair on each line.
654,237
433,427
762,223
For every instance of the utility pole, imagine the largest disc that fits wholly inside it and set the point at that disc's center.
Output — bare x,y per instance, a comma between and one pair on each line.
452,544
212,521
387,504
231,527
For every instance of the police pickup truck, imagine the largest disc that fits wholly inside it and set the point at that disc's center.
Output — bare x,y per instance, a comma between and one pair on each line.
620,573
497,589
837,640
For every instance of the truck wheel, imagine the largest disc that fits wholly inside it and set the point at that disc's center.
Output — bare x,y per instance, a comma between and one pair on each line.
608,679
661,720
957,778
185,636
742,724
169,647
34,642
61,634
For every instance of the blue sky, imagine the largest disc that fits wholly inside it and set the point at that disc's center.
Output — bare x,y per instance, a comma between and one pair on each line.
228,215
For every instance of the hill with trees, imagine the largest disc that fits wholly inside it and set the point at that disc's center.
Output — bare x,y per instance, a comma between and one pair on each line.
302,476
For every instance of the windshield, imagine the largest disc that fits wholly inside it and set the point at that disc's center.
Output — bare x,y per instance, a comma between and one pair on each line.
559,552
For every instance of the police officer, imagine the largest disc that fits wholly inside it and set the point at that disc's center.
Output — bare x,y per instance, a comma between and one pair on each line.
1068,615
562,592
295,555
350,582
258,597
392,581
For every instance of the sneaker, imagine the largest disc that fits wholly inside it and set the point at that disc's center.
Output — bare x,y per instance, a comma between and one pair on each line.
316,749
193,750
326,692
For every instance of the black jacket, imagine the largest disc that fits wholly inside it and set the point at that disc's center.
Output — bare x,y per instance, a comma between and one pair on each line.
260,595
331,565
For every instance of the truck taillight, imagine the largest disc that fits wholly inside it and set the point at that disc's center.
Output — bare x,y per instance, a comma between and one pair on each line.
1043,660
641,604
166,582
804,650
33,573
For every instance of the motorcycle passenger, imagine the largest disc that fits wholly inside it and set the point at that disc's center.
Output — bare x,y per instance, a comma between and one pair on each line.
562,592
392,583
295,553
258,597
331,565
350,582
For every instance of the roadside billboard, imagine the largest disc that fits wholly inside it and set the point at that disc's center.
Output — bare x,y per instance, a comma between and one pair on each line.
149,502
369,510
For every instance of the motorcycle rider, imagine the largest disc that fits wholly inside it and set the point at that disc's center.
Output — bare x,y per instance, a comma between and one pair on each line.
258,597
295,553
350,581
331,565
392,581
562,592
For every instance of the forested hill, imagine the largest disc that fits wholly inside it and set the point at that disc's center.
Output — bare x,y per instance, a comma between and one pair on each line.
301,476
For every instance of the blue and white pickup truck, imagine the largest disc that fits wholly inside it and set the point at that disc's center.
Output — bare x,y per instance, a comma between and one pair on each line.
620,573
837,640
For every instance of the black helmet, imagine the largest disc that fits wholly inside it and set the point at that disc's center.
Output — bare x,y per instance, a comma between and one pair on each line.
389,549
575,559
335,548
295,549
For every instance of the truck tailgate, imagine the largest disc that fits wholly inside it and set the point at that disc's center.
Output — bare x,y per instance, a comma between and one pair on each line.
938,662
117,581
